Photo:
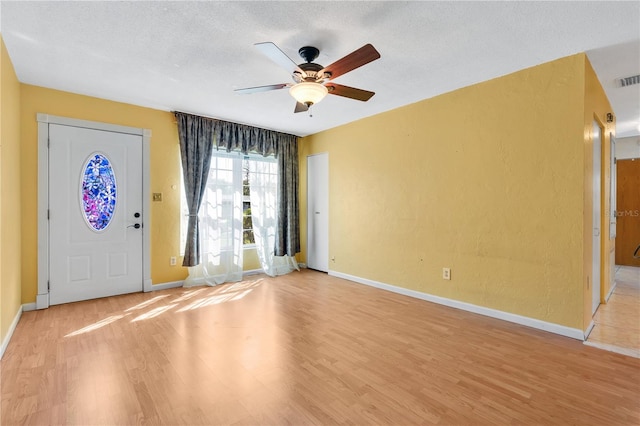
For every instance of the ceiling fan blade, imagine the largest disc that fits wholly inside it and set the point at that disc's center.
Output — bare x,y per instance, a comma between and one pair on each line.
300,107
349,92
248,90
274,53
353,60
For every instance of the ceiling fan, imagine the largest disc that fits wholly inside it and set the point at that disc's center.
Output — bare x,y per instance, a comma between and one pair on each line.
312,82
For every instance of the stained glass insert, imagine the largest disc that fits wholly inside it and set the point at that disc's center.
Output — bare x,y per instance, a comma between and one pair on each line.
98,191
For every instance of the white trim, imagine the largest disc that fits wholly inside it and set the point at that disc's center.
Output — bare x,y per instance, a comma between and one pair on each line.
146,210
493,313
164,286
27,307
12,328
42,298
252,272
94,125
587,332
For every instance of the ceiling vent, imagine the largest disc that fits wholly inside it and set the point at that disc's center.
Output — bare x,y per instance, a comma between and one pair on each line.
629,81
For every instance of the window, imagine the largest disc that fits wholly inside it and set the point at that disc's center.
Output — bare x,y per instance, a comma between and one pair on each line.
225,171
247,224
98,192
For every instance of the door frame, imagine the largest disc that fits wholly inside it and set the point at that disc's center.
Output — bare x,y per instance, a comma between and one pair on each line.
44,120
597,215
318,154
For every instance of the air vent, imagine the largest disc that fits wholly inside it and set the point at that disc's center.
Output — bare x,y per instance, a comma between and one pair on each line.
629,81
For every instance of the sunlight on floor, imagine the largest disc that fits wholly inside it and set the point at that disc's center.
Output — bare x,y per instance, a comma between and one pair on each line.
146,303
215,300
224,293
189,294
97,325
209,296
154,312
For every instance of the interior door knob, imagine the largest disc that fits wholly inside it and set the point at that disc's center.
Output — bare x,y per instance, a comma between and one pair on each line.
135,225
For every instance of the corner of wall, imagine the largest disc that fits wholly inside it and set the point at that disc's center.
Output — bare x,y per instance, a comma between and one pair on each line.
10,211
596,107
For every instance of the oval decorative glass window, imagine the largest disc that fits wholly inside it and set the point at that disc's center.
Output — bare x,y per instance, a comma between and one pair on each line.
98,192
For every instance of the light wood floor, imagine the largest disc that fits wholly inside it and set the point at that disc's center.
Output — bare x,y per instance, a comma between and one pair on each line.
305,348
617,322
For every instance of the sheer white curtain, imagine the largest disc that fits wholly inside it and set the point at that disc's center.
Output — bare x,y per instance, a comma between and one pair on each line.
263,184
220,225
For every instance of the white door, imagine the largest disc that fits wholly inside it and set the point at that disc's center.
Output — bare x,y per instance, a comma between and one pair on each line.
597,167
95,213
318,212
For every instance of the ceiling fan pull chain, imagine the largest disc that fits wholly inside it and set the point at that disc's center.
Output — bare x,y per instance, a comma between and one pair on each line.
310,112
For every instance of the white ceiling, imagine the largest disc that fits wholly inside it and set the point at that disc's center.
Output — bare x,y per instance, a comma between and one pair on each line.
190,56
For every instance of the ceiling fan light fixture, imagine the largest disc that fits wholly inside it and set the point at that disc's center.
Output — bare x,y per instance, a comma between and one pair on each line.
308,93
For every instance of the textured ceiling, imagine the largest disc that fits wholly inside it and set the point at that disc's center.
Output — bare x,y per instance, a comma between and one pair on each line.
190,56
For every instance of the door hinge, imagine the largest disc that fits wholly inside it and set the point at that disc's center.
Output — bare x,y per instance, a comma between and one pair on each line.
48,214
48,286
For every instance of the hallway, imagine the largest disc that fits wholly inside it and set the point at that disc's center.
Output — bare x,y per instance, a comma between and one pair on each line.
617,323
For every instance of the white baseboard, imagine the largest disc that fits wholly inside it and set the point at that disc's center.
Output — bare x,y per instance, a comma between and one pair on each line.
164,286
26,307
42,301
12,328
147,286
494,313
587,332
252,272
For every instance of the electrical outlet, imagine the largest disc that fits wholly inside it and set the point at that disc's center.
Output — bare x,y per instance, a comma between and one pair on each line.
172,261
446,273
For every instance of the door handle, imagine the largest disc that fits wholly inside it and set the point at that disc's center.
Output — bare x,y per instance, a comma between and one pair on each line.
135,225
635,253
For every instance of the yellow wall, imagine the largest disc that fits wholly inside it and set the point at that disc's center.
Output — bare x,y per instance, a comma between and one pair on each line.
487,180
596,107
10,214
165,174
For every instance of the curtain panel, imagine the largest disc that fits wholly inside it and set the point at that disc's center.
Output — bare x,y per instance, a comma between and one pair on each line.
195,135
228,136
263,181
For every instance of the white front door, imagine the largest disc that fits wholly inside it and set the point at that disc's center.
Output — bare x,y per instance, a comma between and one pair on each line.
318,212
95,213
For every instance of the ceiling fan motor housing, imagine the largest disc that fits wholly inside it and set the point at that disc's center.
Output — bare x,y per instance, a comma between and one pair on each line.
311,69
312,72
